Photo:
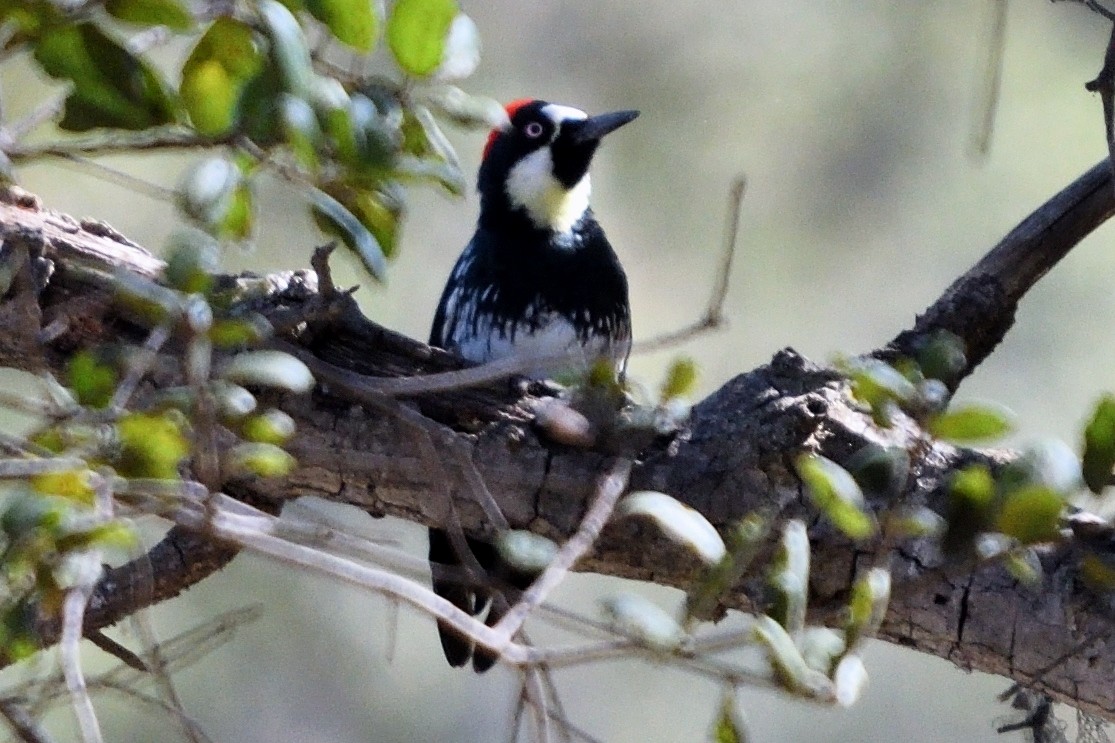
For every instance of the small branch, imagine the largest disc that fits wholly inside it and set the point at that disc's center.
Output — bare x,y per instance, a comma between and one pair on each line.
73,608
713,318
1104,84
987,102
22,724
365,389
259,535
608,492
148,141
138,367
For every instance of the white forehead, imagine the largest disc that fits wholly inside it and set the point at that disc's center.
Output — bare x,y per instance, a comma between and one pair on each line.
558,113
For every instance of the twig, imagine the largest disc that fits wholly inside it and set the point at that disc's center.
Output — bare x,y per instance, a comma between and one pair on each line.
362,388
608,492
536,696
164,685
73,610
1104,84
987,100
146,141
138,367
23,468
116,650
189,726
250,535
22,723
713,316
556,710
118,177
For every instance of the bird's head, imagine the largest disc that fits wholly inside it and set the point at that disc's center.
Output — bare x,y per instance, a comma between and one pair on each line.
537,163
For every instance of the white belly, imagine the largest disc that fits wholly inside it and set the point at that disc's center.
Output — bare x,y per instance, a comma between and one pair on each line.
555,338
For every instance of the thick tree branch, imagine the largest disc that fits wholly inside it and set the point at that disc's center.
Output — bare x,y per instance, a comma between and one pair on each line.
736,459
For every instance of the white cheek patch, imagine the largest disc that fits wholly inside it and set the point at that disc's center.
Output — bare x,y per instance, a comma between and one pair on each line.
550,205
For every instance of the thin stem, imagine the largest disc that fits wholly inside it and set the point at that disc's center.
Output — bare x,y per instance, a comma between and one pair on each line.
713,316
608,492
73,609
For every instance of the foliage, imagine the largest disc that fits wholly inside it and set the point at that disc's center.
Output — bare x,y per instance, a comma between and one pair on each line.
99,457
252,94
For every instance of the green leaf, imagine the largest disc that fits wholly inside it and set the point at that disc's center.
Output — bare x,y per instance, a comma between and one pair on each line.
461,56
269,369
151,445
215,194
76,485
149,302
526,552
973,485
1025,565
880,469
216,73
91,380
849,680
1098,572
731,727
169,13
943,357
972,423
207,188
232,401
417,32
868,606
821,647
289,50
30,17
259,116
301,129
111,86
875,382
1031,514
240,332
261,460
1099,445
787,663
833,490
971,495
743,540
640,619
192,262
269,427
681,380
918,521
462,108
789,578
343,223
680,523
353,22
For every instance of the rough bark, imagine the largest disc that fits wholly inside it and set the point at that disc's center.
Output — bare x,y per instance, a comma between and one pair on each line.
735,458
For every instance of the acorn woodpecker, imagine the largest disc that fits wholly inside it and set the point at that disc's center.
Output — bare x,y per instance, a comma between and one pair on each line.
538,280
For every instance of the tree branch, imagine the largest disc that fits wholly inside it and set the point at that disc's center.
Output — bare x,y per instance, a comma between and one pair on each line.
736,459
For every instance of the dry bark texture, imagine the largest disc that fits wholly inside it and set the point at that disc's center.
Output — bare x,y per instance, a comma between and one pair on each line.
736,457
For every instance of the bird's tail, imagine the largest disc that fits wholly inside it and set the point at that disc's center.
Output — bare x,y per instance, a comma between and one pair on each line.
471,599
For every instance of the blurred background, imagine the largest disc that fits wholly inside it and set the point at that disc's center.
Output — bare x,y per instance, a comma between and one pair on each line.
852,120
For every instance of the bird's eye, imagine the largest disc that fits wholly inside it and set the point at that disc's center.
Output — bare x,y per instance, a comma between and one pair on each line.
533,130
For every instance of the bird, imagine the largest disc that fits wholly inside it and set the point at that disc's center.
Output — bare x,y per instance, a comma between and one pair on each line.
538,282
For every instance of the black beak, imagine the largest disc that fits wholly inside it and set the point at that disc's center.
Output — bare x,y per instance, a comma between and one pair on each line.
595,127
